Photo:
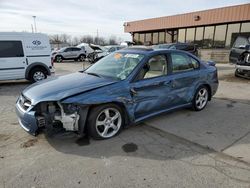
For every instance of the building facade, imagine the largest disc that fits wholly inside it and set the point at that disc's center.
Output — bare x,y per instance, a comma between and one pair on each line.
209,29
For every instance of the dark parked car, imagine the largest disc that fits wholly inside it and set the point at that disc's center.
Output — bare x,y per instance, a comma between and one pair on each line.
240,55
123,88
191,48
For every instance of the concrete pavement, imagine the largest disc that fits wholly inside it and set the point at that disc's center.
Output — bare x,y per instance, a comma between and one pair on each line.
171,152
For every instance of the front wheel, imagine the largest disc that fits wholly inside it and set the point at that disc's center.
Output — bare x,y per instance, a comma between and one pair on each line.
200,99
105,121
37,74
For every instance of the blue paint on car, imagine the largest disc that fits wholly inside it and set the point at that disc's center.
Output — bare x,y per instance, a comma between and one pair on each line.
135,90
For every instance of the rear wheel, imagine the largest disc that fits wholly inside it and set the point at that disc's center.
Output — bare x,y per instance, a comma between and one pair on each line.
82,57
200,99
37,74
59,59
105,121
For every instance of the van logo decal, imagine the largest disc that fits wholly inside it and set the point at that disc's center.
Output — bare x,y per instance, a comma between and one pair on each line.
36,42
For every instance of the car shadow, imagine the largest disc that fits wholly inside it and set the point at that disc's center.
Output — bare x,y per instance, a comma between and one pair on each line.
140,141
176,135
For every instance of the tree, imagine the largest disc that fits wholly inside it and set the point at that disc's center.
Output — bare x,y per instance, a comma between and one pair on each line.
112,40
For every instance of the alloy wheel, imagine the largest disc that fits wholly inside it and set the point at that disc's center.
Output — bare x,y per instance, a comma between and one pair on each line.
201,98
38,76
108,122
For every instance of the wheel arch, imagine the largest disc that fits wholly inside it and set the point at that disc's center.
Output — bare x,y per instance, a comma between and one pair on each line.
87,110
209,89
36,65
120,104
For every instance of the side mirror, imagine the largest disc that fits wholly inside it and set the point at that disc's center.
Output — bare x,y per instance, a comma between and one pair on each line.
146,67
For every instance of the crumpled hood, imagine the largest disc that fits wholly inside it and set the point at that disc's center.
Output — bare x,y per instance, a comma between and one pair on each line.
61,87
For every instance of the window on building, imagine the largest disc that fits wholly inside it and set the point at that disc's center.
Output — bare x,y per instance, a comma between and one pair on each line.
190,35
199,36
155,38
142,38
162,37
232,28
181,35
208,37
11,49
148,38
219,36
245,27
136,37
168,37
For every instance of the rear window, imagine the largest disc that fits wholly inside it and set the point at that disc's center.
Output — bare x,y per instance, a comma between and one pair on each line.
11,49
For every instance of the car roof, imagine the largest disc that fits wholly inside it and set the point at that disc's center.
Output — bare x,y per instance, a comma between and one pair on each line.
148,51
142,50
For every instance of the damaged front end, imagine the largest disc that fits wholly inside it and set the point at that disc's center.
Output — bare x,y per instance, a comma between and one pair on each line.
47,114
243,66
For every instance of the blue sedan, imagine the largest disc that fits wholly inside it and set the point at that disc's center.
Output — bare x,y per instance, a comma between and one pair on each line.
124,88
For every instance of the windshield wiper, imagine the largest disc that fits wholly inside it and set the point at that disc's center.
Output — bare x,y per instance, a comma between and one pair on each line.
94,74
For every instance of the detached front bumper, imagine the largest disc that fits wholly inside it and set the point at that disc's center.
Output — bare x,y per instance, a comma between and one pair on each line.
27,119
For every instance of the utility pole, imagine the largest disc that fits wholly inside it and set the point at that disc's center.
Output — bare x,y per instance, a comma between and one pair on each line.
97,37
32,28
34,17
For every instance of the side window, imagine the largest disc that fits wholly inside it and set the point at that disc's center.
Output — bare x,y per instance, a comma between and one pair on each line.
157,66
195,63
76,49
240,42
67,50
11,49
182,62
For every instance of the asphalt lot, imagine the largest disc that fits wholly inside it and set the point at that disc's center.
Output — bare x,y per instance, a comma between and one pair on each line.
180,149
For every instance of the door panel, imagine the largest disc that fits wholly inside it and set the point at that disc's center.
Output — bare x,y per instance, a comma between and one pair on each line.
185,74
153,90
151,95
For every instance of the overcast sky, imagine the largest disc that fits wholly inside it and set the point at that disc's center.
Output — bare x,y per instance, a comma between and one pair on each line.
81,17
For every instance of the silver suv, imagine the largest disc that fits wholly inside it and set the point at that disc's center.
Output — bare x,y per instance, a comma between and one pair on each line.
69,53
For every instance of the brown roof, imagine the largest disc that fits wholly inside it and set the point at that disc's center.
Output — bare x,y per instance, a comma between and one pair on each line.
206,17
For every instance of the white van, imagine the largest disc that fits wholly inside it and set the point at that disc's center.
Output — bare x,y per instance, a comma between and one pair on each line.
25,55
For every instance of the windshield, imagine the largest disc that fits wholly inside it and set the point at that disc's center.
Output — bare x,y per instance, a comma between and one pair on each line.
116,65
62,49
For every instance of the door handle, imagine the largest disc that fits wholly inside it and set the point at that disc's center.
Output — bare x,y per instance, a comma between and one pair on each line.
170,83
133,92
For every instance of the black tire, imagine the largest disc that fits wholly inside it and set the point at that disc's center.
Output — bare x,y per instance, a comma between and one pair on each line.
82,57
35,73
59,59
200,106
236,73
97,112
